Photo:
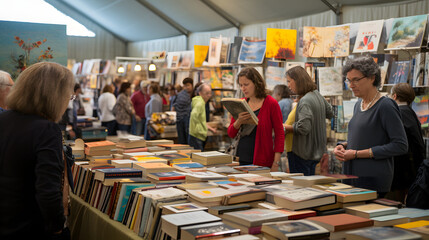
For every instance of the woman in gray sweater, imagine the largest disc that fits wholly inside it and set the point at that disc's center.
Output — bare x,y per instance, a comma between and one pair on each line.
375,132
309,128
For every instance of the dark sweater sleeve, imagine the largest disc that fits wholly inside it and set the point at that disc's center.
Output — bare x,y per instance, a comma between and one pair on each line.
392,124
48,170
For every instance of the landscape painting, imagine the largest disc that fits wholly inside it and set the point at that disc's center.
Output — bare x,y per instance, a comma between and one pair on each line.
330,81
281,43
368,36
313,42
274,76
252,51
24,44
407,32
336,41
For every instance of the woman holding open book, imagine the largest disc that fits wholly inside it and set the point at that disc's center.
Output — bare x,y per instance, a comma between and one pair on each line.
309,128
34,173
375,132
256,144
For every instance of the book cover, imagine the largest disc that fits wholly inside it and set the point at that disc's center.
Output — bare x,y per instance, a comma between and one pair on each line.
301,194
167,176
407,32
399,72
420,106
368,36
235,49
184,207
218,210
281,43
387,233
252,51
172,223
236,106
254,217
208,195
371,210
341,222
295,229
209,230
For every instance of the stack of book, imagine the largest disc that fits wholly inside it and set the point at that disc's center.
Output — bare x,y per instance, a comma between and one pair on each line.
167,177
211,158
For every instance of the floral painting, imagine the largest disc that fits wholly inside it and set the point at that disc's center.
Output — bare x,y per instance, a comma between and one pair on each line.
313,41
407,32
24,44
281,43
336,41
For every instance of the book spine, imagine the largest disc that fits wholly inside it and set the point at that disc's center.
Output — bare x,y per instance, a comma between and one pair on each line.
268,182
123,175
172,178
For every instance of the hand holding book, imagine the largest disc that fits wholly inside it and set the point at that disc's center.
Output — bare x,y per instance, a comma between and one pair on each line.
243,118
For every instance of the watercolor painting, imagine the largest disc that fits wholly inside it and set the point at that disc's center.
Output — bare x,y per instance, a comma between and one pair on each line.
215,48
200,54
336,42
368,36
252,51
313,42
281,43
186,59
407,32
160,55
227,78
421,107
274,76
330,81
24,44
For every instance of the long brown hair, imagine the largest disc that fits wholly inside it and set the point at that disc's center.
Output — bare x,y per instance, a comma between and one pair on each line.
253,75
303,81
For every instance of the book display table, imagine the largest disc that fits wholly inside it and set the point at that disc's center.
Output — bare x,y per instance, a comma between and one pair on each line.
87,222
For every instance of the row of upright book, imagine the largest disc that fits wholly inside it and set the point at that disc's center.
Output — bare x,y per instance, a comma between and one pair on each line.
206,195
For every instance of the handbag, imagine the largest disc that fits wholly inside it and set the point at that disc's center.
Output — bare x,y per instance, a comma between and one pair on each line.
244,130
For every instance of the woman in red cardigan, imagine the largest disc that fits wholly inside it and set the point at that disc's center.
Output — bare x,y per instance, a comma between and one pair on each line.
256,145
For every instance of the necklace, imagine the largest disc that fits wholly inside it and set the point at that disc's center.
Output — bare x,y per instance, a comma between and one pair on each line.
369,104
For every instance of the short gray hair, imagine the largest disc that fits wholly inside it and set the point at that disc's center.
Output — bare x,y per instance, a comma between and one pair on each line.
366,65
201,88
4,79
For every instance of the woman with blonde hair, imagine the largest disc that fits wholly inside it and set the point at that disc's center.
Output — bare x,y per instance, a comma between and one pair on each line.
34,173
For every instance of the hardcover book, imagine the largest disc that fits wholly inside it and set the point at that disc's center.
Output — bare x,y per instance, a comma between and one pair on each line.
236,106
341,222
354,194
385,233
161,176
254,217
299,229
371,210
389,220
301,198
101,174
208,230
182,207
172,223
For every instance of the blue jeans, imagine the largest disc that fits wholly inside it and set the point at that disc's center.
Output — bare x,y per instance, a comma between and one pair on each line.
196,143
183,130
299,165
140,127
111,127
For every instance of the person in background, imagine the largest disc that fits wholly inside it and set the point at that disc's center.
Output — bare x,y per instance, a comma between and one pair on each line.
289,121
154,105
182,106
309,128
198,122
375,132
406,165
281,93
125,110
106,102
6,84
257,146
173,95
140,99
117,85
34,184
164,93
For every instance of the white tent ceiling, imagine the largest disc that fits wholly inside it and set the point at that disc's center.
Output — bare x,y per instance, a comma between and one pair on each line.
140,20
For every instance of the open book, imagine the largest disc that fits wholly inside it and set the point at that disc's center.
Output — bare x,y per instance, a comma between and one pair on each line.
236,106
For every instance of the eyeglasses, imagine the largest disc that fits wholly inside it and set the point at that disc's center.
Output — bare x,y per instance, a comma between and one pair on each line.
6,84
354,81
72,97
